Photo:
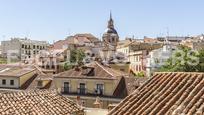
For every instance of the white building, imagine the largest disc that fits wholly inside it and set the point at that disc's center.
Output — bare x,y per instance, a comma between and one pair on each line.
23,48
15,76
158,57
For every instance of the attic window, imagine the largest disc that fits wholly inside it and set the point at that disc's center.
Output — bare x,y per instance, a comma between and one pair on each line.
88,71
39,83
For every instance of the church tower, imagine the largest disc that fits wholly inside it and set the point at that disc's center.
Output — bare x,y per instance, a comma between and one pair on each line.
110,36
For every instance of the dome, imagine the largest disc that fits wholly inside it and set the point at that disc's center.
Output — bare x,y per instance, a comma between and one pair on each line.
111,31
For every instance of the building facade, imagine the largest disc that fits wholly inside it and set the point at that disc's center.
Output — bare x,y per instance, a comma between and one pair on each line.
53,59
136,53
23,48
15,77
90,81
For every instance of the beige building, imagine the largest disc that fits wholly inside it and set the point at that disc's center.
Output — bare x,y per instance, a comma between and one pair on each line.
136,53
88,82
85,39
22,48
14,76
53,60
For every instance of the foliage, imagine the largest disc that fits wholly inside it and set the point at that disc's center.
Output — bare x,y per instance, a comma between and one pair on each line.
140,74
77,56
185,61
3,61
67,66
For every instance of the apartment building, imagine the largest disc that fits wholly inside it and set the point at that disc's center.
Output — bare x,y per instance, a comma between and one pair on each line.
136,53
14,76
22,48
94,80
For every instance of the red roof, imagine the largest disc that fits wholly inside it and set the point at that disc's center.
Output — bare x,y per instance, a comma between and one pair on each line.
166,94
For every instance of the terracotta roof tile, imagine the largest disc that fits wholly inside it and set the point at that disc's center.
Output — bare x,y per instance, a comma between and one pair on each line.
36,103
33,84
100,72
166,93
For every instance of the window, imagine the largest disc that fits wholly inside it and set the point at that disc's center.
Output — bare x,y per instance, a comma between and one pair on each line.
82,88
66,87
11,82
99,89
33,46
40,84
3,82
22,45
122,69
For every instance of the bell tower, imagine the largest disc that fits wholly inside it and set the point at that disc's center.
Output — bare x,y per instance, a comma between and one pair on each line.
110,36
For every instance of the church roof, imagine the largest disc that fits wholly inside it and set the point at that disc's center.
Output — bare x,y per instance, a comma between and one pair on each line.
110,28
110,31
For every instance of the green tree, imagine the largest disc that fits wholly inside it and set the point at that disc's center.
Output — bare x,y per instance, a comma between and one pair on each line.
67,66
185,60
77,56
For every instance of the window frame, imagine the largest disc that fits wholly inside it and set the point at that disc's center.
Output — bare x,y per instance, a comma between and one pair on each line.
3,81
12,82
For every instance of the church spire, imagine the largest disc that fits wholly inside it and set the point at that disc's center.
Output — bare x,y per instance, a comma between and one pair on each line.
110,22
111,16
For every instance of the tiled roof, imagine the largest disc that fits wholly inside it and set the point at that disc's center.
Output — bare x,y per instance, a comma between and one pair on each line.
136,46
166,94
100,72
34,83
14,71
133,83
36,103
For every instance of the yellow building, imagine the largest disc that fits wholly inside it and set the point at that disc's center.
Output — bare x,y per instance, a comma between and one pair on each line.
88,82
124,67
15,77
42,81
136,53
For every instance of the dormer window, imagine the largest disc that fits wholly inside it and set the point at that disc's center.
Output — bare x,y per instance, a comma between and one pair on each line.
39,84
88,71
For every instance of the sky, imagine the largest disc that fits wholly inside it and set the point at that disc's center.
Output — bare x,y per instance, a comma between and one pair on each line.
54,20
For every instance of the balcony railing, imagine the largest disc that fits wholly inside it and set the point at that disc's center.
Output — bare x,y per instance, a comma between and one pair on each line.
82,92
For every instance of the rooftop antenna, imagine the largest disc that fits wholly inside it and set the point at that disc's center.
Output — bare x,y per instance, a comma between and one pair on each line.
167,38
100,37
110,14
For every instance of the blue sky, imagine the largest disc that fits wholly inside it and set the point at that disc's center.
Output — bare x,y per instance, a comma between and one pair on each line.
53,20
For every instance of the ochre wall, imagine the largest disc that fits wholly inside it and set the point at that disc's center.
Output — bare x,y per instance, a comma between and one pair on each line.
109,85
26,77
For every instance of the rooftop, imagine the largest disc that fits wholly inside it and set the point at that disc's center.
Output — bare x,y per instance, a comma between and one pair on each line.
14,71
166,93
36,102
100,72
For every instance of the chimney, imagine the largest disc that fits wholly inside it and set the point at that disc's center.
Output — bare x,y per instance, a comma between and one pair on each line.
77,68
97,103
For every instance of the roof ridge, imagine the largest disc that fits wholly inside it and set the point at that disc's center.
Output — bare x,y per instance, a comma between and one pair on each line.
104,68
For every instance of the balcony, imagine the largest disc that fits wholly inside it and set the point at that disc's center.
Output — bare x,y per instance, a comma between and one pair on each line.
82,92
